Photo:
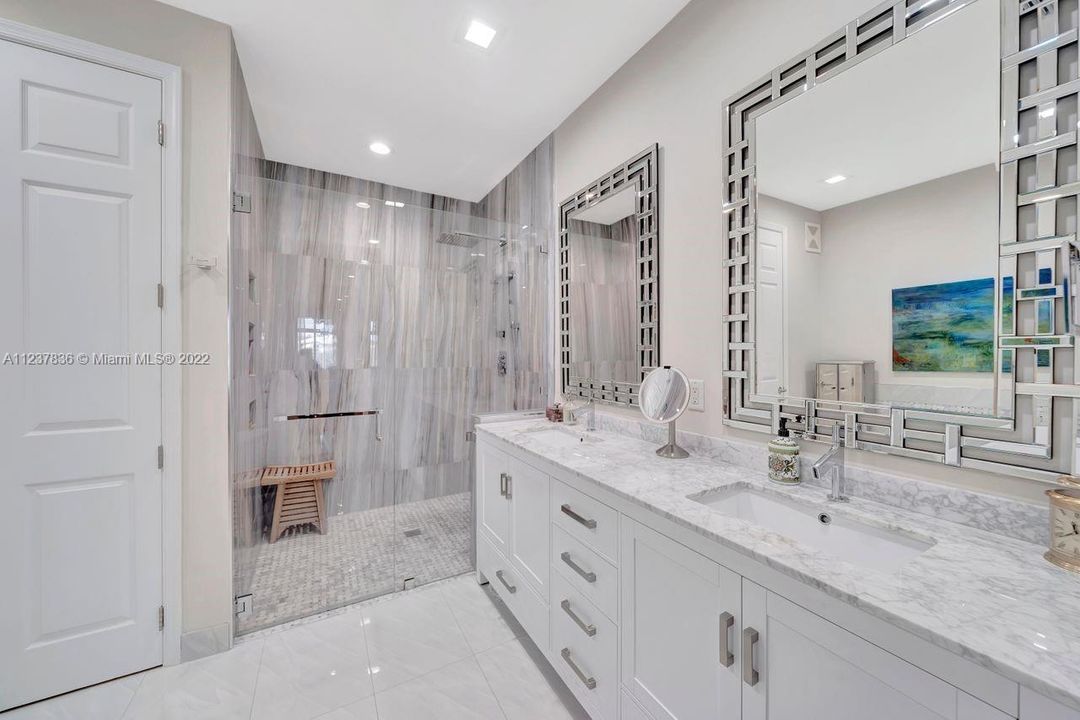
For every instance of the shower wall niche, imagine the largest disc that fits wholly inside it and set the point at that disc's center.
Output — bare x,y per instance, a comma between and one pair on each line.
378,321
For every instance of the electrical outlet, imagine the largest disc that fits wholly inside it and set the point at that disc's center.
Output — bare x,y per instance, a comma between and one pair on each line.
697,395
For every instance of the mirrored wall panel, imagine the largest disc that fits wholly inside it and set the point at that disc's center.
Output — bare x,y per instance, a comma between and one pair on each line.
877,226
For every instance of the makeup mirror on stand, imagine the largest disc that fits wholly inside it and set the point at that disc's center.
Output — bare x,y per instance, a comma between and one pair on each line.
665,393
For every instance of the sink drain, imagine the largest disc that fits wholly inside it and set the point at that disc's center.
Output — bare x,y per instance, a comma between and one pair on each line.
824,518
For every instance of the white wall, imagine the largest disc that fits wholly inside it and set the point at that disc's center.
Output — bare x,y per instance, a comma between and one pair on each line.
672,92
202,49
940,231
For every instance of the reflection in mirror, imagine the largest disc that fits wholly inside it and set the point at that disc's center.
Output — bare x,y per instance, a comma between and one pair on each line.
665,393
876,256
603,259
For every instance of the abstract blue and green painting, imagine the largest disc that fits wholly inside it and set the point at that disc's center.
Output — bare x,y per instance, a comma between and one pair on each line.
948,327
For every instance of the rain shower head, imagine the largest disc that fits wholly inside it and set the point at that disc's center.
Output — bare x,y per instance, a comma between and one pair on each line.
465,239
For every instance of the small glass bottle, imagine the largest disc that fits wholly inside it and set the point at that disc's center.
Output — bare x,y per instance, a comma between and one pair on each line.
784,457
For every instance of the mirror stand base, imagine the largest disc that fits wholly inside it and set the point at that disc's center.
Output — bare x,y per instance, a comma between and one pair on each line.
672,449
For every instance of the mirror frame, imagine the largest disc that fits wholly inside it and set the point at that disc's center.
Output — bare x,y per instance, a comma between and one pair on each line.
641,170
996,443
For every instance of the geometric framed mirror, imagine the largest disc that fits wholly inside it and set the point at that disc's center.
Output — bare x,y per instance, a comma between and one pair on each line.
900,215
609,283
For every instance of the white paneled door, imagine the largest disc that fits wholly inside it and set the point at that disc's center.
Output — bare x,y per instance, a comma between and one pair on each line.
771,310
80,263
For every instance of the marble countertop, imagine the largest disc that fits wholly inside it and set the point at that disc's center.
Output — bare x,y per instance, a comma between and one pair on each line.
990,599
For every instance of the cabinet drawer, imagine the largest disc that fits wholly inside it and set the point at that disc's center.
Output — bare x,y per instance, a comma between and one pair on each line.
587,519
584,649
589,574
630,709
529,609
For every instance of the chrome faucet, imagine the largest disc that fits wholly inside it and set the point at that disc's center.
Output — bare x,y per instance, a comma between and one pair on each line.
832,465
573,410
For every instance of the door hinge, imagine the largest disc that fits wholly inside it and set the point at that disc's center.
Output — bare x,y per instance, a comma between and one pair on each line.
470,436
243,605
241,202
161,133
160,456
160,295
161,617
543,250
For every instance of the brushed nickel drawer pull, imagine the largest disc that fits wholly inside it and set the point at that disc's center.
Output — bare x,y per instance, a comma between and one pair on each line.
591,524
749,640
511,588
502,484
589,630
587,574
589,682
509,484
727,621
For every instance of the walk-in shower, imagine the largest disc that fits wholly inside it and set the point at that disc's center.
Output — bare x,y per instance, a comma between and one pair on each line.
369,332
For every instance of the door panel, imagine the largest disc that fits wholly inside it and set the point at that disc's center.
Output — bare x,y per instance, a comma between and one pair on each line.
672,602
80,493
530,525
811,669
771,311
493,507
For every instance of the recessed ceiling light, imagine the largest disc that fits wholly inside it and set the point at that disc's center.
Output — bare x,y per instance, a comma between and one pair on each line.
479,34
836,179
391,203
364,262
379,148
363,205
373,241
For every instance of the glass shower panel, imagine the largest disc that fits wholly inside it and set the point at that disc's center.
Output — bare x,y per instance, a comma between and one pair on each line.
363,305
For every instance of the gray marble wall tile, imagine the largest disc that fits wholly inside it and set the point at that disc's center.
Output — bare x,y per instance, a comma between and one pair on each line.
1004,516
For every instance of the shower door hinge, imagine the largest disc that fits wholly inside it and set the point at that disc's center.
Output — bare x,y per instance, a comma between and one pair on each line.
160,295
242,605
470,436
161,133
543,249
161,617
160,456
241,202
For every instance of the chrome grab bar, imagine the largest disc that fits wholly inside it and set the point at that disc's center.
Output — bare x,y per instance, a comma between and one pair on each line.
377,412
586,628
589,682
587,574
591,524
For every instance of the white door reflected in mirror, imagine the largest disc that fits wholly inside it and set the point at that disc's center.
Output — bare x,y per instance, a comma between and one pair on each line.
665,394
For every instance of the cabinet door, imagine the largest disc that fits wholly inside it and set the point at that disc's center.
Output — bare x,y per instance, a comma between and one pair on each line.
679,658
850,383
827,382
810,669
530,523
492,506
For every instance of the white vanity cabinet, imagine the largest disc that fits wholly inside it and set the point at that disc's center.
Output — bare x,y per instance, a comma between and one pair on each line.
513,535
646,620
680,625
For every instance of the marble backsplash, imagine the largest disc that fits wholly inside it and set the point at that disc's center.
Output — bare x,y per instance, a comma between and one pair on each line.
1000,515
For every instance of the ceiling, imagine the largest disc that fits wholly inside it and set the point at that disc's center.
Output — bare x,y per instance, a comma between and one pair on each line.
924,109
333,76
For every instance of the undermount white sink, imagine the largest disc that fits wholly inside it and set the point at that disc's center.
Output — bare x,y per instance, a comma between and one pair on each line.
815,526
566,437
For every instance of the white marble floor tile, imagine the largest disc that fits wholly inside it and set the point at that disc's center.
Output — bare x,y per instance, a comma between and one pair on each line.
455,692
219,687
362,710
310,670
523,690
477,614
411,636
107,701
